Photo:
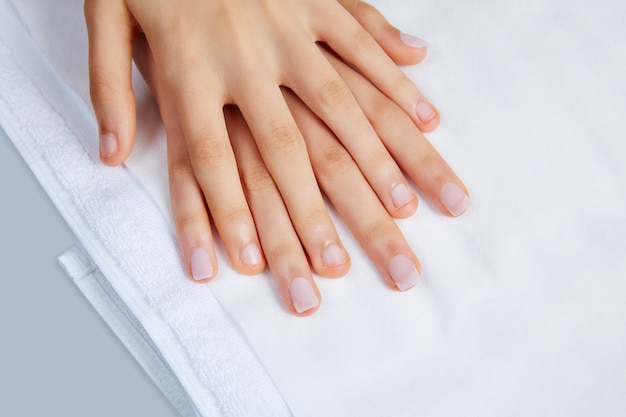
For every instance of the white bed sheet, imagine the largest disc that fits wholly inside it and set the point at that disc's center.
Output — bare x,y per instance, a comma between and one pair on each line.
522,308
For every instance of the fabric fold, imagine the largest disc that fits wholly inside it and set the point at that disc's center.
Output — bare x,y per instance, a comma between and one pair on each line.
520,310
205,353
98,291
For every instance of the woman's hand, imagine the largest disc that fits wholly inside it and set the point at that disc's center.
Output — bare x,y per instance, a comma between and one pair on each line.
211,53
342,182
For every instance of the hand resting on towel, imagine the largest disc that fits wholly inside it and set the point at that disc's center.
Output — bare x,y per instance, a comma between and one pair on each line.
250,163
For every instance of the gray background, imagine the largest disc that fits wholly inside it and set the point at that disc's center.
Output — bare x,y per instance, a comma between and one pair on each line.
57,356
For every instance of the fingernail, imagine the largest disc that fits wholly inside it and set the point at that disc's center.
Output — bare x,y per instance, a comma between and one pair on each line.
454,199
251,255
403,272
303,295
333,256
413,41
108,145
401,195
201,265
425,112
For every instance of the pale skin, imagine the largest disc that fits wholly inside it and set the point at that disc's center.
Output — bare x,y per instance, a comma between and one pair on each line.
302,117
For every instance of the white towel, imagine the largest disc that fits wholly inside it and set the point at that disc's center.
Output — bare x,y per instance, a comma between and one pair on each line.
522,309
201,361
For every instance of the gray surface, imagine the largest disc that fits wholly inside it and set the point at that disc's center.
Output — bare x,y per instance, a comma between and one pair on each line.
57,356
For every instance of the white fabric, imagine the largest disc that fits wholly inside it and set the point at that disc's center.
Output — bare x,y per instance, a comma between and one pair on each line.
201,361
522,308
97,289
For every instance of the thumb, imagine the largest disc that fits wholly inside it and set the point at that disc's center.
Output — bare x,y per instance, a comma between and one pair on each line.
111,33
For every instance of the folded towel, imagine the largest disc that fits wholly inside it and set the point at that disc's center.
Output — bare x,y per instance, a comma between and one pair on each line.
521,311
201,361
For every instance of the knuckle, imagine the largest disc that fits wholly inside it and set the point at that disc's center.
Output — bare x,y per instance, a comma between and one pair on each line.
379,159
402,83
103,87
429,160
233,215
335,161
376,230
283,139
362,41
365,12
333,93
180,170
257,178
187,222
316,217
209,154
383,112
283,251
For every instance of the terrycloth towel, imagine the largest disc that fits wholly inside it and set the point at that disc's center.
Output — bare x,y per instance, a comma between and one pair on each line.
201,361
522,308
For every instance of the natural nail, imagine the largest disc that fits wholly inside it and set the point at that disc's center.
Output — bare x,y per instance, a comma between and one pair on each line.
454,199
333,256
403,272
425,112
251,255
413,41
303,295
401,195
201,265
108,145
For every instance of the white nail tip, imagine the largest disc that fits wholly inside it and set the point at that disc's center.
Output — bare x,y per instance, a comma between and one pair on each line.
401,195
454,199
403,272
303,295
108,145
201,265
424,112
251,255
413,41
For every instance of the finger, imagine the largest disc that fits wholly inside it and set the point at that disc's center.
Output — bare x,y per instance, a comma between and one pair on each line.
330,99
355,45
356,203
279,240
189,211
190,215
402,48
188,198
215,169
415,154
283,150
111,35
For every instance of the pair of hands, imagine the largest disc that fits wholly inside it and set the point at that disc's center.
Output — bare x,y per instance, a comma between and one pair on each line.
261,109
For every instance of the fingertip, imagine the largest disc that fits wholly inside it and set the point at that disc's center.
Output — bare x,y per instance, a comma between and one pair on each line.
115,111
202,268
403,201
111,34
404,271
405,211
428,118
108,146
251,260
411,49
413,41
402,48
432,125
335,261
304,297
455,199
114,148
